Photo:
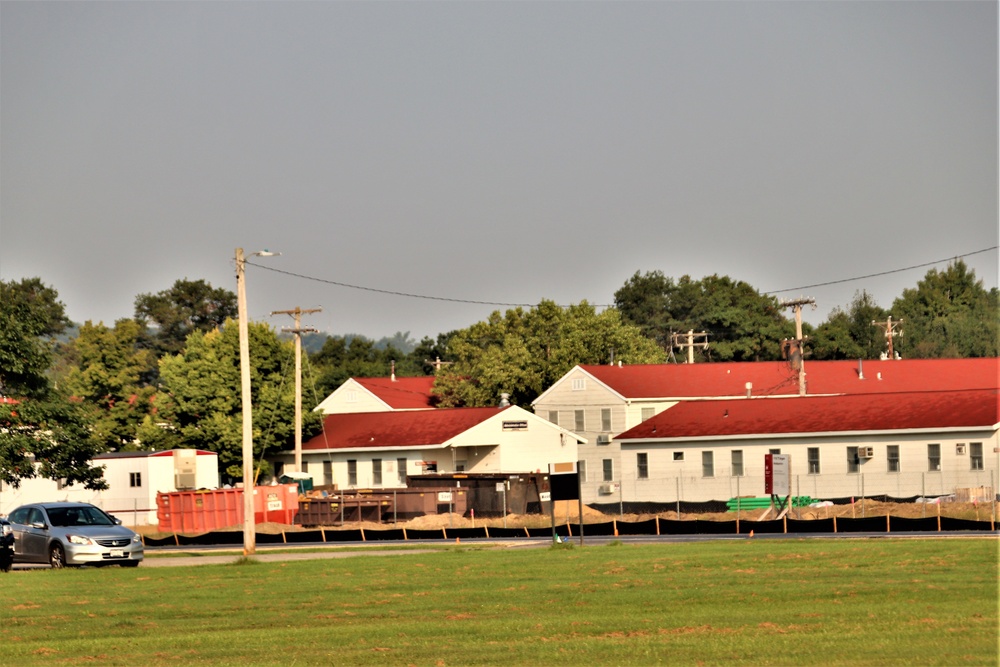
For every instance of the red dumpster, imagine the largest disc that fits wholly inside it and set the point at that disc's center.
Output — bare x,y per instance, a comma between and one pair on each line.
203,511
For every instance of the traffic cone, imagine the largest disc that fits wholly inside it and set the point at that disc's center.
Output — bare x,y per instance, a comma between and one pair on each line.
751,534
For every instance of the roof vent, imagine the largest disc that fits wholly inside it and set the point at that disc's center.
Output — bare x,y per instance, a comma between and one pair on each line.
861,370
504,400
749,386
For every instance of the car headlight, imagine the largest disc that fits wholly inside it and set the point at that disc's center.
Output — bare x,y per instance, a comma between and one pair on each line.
78,539
6,529
136,539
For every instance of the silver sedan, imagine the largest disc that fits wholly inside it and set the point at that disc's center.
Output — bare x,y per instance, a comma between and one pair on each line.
66,533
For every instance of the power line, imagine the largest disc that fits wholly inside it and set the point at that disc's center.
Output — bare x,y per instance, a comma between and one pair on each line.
411,295
882,273
403,294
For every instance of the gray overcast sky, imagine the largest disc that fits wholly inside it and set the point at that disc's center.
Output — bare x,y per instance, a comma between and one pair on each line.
495,152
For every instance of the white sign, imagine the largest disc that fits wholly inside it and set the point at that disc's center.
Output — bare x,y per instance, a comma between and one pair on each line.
444,496
544,496
518,425
782,470
501,487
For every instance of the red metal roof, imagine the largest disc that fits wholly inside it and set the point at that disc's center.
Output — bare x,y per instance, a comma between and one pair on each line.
975,408
777,377
410,393
397,429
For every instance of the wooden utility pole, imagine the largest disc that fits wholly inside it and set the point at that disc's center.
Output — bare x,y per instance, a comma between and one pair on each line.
687,340
249,526
796,305
890,329
298,331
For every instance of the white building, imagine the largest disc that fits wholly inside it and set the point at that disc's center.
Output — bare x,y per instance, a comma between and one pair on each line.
601,402
375,450
134,480
901,445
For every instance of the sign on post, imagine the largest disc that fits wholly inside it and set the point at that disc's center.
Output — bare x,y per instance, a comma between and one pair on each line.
777,474
564,484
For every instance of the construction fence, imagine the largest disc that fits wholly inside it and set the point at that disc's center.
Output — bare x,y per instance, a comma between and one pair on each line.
614,528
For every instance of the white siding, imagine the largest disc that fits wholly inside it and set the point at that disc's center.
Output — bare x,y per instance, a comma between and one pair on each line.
668,477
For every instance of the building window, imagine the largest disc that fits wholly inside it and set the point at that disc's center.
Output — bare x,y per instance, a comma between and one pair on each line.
327,473
642,465
707,464
853,462
352,396
737,455
352,472
579,422
376,472
579,384
135,479
892,458
554,417
648,413
678,456
934,457
606,420
401,471
976,455
813,456
305,466
581,467
609,470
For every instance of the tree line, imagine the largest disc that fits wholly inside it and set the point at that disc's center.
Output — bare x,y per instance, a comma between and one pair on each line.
169,376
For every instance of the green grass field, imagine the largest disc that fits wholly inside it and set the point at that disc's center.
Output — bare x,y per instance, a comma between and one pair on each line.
747,602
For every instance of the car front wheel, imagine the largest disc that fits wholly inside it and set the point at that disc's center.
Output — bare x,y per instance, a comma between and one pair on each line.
57,556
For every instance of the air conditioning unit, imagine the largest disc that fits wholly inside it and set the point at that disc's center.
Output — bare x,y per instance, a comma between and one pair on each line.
604,439
184,481
608,489
866,452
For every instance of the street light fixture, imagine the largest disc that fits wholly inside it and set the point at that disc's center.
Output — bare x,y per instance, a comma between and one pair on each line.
249,532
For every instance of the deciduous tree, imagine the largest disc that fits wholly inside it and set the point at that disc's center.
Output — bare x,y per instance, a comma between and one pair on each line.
108,383
742,324
948,314
851,334
41,432
521,353
204,408
188,306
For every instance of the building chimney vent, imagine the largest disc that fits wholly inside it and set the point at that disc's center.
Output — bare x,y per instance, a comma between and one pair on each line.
504,400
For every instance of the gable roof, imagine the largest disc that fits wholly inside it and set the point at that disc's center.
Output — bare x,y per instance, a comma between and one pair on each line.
408,393
397,429
412,393
151,453
776,378
415,429
938,410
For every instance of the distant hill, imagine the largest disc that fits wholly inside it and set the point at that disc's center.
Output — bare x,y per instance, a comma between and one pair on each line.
313,342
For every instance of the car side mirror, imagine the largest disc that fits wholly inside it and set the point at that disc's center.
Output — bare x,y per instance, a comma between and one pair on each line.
118,521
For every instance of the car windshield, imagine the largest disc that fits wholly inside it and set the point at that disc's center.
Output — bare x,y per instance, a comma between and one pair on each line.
78,516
